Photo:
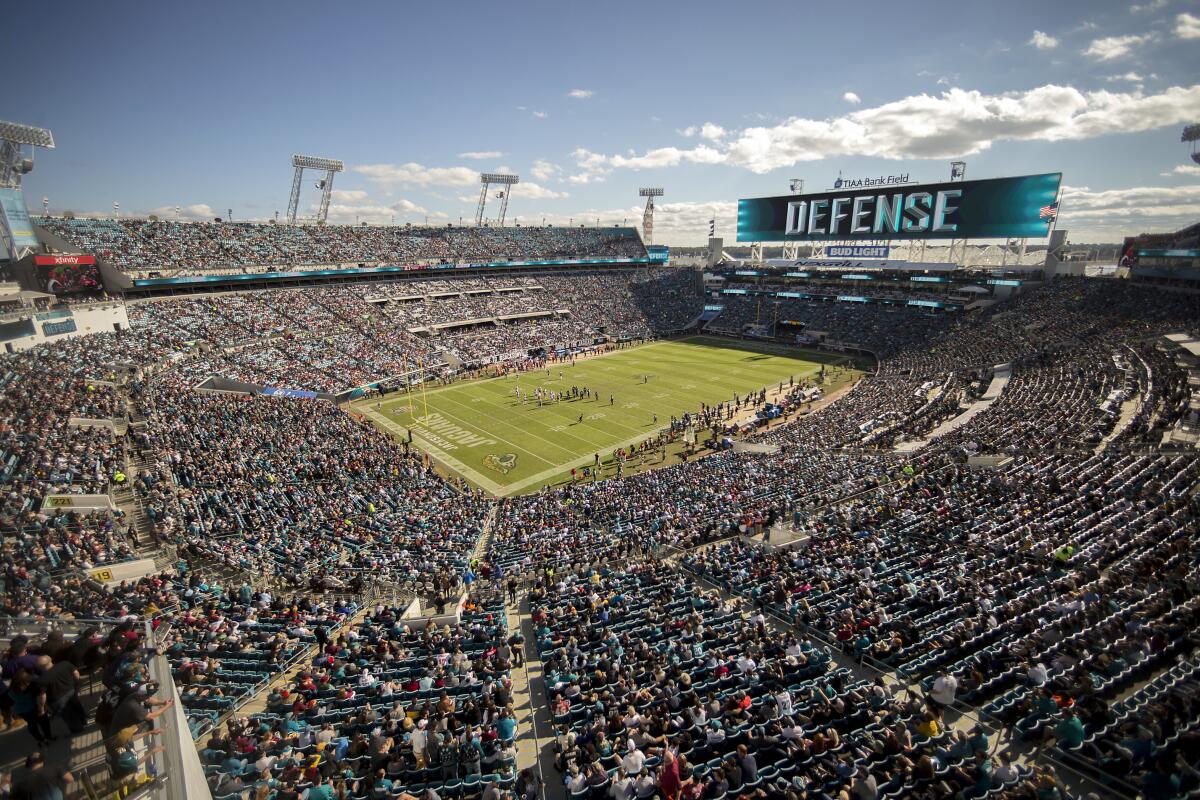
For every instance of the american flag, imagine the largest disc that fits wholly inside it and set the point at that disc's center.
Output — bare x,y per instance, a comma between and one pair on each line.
1049,212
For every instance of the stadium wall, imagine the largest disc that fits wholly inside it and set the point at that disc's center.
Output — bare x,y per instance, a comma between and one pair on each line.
50,326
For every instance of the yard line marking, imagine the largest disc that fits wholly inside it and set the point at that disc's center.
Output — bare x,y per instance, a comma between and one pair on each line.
512,425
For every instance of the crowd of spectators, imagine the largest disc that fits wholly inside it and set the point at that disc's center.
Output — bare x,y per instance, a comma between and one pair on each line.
659,688
145,245
332,339
1065,576
383,709
1035,591
299,490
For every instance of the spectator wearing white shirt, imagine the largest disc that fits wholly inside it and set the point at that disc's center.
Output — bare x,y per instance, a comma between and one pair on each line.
944,689
634,760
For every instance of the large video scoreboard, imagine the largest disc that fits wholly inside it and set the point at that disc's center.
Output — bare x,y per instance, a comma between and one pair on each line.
1021,207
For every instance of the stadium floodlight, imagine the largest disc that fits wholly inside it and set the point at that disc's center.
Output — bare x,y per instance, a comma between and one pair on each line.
314,162
649,192
26,134
301,163
13,164
486,179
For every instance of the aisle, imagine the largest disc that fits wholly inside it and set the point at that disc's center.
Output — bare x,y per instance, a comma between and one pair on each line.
535,733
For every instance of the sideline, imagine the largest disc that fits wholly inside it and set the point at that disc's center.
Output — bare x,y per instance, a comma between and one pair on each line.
455,466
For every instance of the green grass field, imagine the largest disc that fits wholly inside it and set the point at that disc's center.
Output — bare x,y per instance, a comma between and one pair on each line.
479,430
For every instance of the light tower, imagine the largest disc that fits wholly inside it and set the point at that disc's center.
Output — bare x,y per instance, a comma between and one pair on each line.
16,231
500,179
791,250
301,163
648,214
1192,134
958,247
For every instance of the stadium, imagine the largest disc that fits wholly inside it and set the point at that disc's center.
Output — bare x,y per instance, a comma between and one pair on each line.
896,497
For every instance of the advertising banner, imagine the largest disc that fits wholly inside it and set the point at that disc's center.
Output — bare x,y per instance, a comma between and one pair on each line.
857,251
12,206
994,208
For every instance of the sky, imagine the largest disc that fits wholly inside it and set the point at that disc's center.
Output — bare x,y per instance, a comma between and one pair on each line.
159,105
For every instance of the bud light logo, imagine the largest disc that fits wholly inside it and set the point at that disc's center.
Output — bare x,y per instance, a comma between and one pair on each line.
848,251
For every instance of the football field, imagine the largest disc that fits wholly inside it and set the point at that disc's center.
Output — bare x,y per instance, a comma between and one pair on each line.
484,433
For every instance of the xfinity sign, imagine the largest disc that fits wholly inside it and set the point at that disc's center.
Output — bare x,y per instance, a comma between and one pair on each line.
994,208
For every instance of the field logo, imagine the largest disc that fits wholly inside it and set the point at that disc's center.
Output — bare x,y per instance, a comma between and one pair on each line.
502,463
444,434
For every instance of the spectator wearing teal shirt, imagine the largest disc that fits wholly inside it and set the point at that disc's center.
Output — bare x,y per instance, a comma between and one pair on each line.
320,791
506,726
1069,730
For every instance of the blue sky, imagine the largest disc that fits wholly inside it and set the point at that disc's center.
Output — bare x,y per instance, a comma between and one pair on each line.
157,105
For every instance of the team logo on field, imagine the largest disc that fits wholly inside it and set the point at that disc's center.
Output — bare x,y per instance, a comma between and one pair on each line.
502,463
402,410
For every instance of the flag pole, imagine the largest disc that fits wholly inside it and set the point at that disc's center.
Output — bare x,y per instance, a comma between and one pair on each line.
408,387
1057,211
424,394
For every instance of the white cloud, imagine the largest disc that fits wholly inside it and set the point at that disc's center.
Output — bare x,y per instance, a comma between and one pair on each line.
527,190
580,94
1184,169
540,114
1043,41
1110,48
686,223
413,174
584,178
196,211
478,155
1131,77
712,132
953,124
689,131
545,170
682,224
356,206
1153,5
1114,213
1187,26
852,98
668,157
592,166
408,205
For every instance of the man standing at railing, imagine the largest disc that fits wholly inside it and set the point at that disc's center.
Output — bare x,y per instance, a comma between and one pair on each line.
132,712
